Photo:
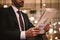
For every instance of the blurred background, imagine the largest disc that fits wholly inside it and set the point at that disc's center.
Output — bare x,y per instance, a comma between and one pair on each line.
35,9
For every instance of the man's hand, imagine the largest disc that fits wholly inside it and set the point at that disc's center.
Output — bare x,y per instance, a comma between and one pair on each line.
32,32
47,27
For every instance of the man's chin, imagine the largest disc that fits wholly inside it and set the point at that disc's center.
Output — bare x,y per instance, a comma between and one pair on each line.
20,6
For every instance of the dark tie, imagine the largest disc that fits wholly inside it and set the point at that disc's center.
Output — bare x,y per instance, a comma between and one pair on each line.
21,21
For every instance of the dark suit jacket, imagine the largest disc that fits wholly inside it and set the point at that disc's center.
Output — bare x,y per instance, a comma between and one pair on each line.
9,29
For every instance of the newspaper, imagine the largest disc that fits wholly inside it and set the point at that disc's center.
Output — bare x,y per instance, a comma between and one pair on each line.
46,18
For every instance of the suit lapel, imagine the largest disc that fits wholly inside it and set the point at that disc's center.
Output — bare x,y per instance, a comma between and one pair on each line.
13,14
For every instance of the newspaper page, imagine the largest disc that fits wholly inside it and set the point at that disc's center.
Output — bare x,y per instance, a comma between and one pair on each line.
46,18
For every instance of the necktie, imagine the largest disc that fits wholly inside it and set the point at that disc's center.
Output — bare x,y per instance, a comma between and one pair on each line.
21,21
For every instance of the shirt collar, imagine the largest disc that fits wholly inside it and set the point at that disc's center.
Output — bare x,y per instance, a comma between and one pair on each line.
14,8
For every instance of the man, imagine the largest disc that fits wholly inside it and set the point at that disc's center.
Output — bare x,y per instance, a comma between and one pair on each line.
10,24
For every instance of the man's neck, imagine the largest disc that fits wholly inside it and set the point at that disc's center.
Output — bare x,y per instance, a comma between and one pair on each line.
17,7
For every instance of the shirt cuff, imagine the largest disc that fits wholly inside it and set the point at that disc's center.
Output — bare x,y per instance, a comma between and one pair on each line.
22,36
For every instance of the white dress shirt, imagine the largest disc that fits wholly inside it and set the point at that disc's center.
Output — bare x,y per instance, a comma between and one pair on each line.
22,35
